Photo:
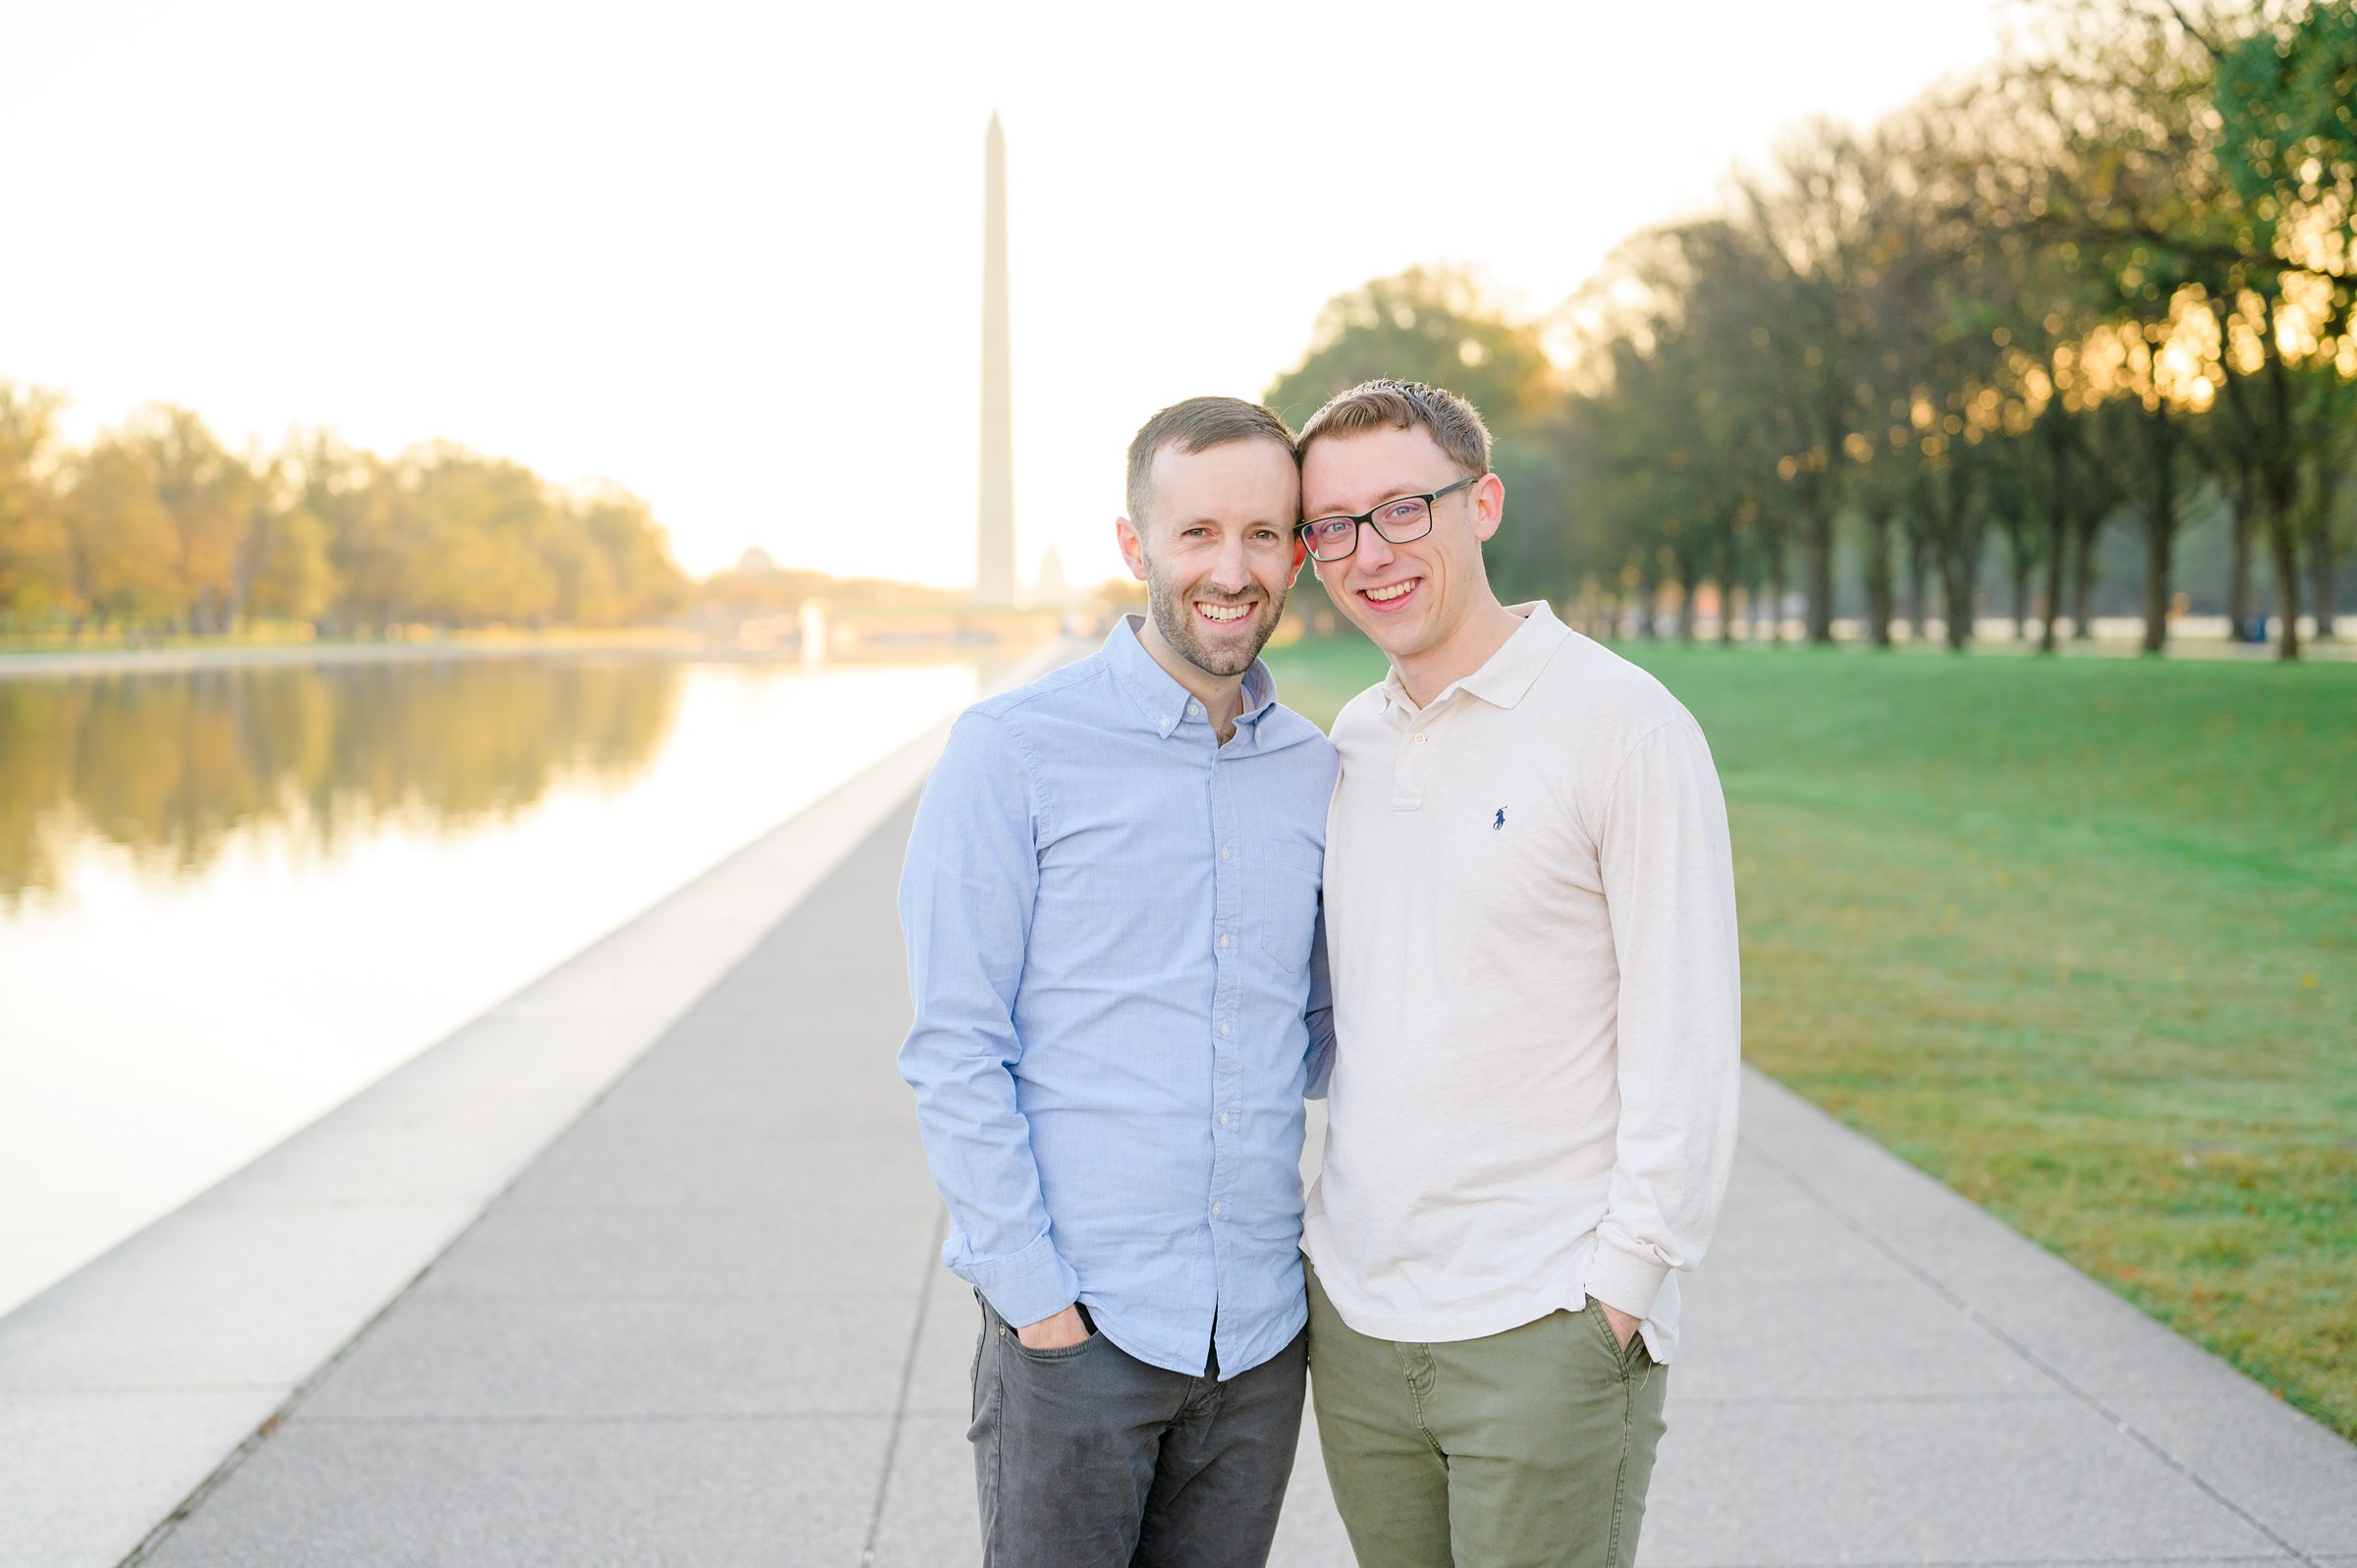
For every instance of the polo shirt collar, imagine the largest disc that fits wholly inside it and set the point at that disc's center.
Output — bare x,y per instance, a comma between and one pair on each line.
1507,675
1159,698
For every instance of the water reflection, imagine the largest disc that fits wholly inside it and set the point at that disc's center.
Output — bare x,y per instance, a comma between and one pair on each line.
229,899
169,766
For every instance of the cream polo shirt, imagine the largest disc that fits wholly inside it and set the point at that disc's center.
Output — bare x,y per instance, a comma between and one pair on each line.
1530,921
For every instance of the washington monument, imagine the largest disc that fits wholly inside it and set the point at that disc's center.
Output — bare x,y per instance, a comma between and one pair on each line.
994,573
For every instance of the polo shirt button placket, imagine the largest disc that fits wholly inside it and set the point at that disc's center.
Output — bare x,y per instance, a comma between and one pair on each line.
1407,781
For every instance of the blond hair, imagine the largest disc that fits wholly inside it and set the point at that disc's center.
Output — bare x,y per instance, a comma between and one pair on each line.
1453,424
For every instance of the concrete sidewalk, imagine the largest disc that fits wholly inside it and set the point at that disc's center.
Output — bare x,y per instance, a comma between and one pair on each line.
708,1327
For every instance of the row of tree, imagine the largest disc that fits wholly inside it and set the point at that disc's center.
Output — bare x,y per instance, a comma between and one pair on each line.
157,525
2104,283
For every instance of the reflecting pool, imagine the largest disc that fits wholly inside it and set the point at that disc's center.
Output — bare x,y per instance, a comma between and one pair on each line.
231,898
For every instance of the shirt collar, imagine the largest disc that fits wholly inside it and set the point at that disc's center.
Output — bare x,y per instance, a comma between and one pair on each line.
1162,700
1507,675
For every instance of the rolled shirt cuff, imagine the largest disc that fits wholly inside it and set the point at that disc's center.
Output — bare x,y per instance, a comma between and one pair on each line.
1627,1280
1025,1285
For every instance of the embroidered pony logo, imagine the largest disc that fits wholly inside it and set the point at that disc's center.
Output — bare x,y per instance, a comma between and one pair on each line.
1500,822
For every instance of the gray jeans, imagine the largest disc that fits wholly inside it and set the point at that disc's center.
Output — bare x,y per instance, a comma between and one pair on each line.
1090,1458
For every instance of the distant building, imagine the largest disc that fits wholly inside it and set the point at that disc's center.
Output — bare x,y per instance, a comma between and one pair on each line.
756,585
1050,590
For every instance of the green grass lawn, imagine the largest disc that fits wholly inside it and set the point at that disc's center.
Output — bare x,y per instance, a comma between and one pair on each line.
2079,937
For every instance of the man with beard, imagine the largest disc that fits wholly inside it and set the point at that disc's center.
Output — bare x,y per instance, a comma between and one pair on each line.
1111,904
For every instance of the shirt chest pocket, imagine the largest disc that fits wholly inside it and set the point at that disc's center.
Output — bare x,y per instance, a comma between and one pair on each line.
1282,899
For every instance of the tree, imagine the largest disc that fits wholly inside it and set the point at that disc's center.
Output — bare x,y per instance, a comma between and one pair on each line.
1791,286
124,552
207,496
485,526
36,553
2204,171
2284,86
2330,456
622,530
1438,325
1677,451
286,570
2112,178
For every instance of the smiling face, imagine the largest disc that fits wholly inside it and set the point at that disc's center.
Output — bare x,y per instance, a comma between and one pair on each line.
1412,599
1216,550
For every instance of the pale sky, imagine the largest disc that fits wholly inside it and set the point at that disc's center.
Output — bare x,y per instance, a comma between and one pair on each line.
729,256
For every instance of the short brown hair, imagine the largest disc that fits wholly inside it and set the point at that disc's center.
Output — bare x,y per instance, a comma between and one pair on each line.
1453,424
1196,425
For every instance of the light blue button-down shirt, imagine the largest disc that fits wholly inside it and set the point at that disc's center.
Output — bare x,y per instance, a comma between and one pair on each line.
1113,932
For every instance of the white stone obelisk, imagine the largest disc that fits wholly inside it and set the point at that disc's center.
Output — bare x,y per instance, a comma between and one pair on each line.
994,573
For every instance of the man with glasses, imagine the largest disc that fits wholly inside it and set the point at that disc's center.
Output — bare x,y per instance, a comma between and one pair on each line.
1111,904
1530,917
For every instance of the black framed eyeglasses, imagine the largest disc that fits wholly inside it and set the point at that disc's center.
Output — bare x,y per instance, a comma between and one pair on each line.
1398,521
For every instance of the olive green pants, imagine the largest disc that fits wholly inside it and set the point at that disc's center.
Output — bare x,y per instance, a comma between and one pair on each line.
1528,1449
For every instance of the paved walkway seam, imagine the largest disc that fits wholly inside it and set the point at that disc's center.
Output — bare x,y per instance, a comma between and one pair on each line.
900,1409
1998,1332
269,1427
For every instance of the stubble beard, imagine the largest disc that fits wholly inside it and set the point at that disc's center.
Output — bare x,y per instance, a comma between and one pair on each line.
1174,614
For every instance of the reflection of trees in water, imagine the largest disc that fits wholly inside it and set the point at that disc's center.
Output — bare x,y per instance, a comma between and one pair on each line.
169,766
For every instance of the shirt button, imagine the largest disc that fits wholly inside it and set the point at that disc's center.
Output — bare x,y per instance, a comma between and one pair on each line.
1421,737
1223,938
1227,1028
1194,710
1216,1211
1223,1118
1227,853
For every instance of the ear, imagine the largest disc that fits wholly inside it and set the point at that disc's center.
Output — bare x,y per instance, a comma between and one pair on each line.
1133,548
1300,554
1489,507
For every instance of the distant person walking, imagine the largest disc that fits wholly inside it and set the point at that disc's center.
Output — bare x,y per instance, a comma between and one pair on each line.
1531,918
1111,904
